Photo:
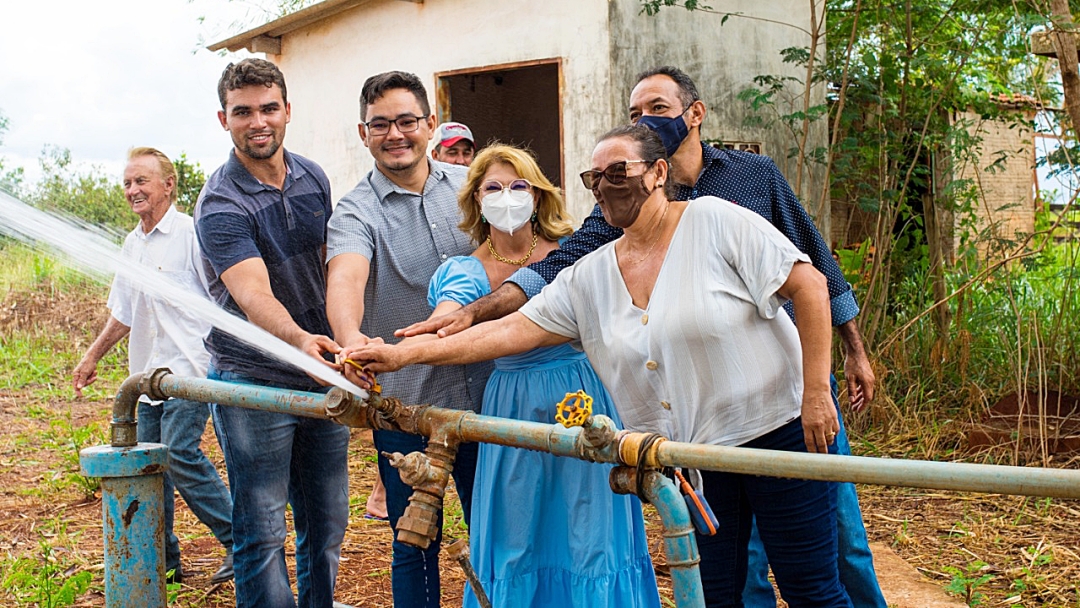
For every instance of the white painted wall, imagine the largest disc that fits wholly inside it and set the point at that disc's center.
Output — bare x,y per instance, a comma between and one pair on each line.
326,64
603,45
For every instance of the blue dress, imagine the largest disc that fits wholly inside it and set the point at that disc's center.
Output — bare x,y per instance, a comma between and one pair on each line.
545,530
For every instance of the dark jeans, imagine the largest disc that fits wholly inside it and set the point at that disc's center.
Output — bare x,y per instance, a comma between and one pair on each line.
415,572
856,562
797,522
274,459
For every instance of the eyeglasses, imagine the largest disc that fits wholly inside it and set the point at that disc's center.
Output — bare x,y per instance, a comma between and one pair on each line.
405,124
615,173
492,186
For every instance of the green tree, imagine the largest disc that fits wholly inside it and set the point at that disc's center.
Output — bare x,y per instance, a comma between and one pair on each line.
900,76
89,195
189,182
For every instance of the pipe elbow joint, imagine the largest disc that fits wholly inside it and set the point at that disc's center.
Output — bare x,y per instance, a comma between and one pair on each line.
123,430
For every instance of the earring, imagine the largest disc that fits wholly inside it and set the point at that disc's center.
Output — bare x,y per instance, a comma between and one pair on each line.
483,220
533,219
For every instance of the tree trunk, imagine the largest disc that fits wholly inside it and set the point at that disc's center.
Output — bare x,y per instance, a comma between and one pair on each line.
1065,45
938,216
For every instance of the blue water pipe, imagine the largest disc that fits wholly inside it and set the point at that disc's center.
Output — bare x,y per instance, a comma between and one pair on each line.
132,508
680,546
597,440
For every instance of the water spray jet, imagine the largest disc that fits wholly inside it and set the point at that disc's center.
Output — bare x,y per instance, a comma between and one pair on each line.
89,250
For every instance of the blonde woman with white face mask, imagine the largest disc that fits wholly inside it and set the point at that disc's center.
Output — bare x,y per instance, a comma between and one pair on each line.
545,531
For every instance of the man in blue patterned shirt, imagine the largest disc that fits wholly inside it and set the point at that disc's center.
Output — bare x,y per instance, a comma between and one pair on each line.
666,100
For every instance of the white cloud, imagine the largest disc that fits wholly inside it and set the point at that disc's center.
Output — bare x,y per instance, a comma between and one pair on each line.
100,77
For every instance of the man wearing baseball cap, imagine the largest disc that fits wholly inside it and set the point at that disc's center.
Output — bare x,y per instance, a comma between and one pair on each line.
453,144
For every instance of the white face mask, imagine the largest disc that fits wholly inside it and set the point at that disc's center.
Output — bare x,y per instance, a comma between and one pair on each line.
507,210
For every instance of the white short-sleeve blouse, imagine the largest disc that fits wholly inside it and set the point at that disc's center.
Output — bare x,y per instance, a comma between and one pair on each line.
712,359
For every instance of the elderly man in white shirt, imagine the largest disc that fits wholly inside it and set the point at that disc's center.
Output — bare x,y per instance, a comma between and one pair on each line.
162,335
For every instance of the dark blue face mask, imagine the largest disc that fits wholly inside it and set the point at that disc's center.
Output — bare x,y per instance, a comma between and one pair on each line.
672,130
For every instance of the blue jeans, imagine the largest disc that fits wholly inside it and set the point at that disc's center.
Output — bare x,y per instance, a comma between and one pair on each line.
274,459
797,521
415,572
179,424
856,563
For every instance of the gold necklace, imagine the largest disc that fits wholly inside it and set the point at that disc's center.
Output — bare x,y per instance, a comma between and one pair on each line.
521,262
656,239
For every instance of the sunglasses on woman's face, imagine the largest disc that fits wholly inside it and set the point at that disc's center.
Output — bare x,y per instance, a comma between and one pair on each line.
615,174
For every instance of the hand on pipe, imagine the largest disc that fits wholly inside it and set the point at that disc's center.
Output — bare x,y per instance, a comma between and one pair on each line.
318,345
354,368
378,357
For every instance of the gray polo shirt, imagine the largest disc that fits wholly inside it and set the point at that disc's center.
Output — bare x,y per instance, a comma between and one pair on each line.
406,236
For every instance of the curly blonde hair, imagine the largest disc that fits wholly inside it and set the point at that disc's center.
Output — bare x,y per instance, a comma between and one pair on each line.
550,223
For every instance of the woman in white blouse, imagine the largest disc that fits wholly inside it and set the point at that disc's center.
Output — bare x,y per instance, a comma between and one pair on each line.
682,319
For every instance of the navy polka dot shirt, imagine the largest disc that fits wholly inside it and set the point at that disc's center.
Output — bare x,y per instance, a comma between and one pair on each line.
750,180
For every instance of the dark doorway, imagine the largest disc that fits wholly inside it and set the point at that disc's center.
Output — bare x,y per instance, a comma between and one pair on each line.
514,103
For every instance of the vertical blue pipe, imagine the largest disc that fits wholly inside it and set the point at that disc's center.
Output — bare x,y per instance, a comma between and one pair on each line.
132,493
679,544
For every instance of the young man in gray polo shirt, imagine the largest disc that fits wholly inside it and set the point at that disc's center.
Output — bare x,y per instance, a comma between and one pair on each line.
385,240
261,222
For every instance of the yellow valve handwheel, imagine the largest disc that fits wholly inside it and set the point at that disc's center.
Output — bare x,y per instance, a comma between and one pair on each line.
574,409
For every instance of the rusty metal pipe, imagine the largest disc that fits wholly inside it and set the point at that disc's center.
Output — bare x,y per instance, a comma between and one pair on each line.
297,403
552,438
957,476
122,431
459,552
447,428
680,545
133,521
428,475
466,426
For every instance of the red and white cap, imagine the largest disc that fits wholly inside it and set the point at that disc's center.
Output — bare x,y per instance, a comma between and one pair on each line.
449,133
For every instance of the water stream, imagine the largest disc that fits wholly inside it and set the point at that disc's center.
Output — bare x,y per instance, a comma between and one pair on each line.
88,249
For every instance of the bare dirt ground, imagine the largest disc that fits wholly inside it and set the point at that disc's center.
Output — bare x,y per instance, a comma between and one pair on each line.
987,549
